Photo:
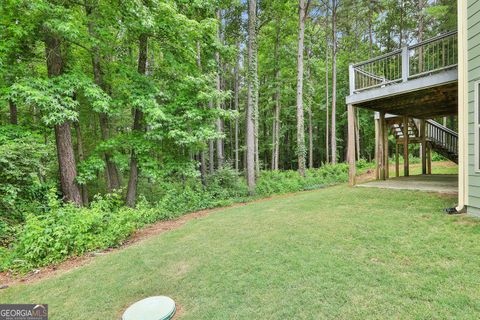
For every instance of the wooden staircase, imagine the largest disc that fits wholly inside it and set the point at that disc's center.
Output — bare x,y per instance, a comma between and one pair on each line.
439,138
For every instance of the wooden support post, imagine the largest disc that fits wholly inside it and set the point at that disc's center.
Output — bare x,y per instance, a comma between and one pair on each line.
429,160
385,149
381,152
406,137
351,144
423,146
377,140
397,161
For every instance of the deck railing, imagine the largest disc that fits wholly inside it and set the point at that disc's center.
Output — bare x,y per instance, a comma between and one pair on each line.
446,138
427,57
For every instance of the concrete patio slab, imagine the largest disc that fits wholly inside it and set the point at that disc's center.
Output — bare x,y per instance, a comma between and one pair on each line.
442,183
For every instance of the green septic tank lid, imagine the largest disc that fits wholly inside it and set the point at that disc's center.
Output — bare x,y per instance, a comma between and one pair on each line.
153,308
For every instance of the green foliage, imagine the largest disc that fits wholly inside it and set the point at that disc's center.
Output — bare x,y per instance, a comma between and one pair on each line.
88,169
57,97
24,163
188,51
363,165
66,230
226,183
277,182
61,231
438,157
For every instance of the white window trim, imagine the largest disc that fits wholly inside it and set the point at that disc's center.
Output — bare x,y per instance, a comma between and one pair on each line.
476,125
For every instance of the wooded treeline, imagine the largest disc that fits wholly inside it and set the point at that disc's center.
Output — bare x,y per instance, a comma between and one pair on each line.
143,89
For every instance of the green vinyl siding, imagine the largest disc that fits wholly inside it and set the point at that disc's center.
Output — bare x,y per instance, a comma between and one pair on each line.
474,211
473,36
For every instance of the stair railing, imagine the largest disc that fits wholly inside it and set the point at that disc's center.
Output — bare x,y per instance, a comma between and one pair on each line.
441,135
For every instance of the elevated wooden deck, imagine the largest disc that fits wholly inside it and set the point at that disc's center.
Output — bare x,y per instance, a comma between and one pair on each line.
418,81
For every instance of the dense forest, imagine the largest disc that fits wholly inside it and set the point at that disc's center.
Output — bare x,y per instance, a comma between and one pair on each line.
135,101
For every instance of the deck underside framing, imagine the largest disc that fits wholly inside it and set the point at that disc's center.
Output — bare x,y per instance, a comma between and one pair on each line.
427,97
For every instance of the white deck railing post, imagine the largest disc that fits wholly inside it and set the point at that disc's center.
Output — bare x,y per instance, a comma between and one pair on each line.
351,71
405,64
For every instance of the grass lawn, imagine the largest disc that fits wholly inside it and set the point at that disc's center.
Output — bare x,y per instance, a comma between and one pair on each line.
339,252
441,167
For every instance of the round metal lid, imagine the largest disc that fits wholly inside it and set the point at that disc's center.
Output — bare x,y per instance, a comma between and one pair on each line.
153,308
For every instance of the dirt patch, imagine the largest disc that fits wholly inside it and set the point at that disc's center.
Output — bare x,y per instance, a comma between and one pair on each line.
466,221
179,312
367,176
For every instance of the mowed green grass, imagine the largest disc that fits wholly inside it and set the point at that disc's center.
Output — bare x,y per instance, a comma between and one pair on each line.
442,167
339,252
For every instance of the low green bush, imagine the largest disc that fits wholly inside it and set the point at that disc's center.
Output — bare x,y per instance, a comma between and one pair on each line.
61,231
438,157
65,230
415,160
25,159
277,182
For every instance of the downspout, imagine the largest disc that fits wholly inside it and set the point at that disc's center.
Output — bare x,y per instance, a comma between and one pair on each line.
462,108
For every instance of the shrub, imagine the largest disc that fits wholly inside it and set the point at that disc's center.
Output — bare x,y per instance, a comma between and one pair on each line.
277,182
363,165
226,183
60,231
24,162
22,168
65,230
438,157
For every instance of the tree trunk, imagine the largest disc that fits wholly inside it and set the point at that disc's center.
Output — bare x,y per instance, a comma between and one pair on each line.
265,137
63,138
276,131
111,172
13,112
203,164
211,157
276,119
256,118
310,138
211,150
236,89
231,137
402,4
421,30
278,108
327,116
137,125
203,168
370,29
219,122
334,83
300,118
251,94
81,157
67,163
310,114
